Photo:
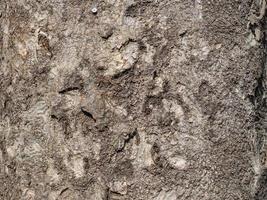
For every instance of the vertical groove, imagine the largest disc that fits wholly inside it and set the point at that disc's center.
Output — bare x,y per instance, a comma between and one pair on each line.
260,106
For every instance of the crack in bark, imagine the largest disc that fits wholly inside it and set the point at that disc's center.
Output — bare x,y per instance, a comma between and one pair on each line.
88,114
68,90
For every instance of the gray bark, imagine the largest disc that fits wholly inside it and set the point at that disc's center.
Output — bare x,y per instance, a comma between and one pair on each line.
132,99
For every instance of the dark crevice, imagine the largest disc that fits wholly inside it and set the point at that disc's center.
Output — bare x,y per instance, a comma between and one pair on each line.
252,28
54,117
123,73
88,114
155,74
68,90
183,33
116,193
259,102
127,139
64,190
131,136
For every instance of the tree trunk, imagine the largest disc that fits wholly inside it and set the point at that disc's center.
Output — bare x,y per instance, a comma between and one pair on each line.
132,100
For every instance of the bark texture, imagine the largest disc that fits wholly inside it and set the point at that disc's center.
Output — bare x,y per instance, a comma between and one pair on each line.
132,100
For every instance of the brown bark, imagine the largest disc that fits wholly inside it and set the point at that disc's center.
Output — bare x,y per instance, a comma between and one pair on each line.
127,99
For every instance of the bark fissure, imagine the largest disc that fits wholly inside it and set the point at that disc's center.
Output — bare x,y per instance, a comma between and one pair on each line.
260,106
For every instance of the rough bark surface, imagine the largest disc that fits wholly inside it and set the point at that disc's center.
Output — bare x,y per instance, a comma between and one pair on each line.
132,100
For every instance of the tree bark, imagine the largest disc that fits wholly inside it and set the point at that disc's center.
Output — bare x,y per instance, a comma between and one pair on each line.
132,99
